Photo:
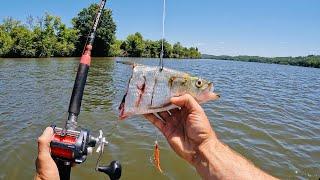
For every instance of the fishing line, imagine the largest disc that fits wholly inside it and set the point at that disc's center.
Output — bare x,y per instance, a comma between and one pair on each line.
156,151
162,38
161,68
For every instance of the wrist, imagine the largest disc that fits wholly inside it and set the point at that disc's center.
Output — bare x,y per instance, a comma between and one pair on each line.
203,161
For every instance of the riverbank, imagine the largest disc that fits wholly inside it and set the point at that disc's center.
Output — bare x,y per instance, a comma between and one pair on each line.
306,61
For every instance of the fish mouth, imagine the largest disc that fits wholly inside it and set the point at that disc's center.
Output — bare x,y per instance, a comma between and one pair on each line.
210,87
208,94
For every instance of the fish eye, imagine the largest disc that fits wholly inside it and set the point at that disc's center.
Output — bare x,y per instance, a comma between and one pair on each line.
199,83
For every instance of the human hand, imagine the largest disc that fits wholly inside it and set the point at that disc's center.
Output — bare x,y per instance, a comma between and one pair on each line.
190,135
45,165
186,129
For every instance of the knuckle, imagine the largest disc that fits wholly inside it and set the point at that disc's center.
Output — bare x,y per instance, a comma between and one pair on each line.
48,129
189,99
41,140
188,96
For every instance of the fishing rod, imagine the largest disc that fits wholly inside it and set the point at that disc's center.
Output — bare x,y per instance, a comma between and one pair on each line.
69,145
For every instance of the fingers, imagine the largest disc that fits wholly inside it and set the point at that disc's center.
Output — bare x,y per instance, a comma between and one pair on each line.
164,115
175,112
186,101
44,141
155,121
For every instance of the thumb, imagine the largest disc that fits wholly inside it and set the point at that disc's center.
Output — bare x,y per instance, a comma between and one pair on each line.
44,140
185,101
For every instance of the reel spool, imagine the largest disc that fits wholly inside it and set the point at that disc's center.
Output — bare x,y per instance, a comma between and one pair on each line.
72,147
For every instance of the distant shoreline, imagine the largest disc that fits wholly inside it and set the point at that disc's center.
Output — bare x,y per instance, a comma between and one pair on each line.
305,61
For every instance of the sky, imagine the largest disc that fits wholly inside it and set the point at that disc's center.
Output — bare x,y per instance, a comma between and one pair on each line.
219,27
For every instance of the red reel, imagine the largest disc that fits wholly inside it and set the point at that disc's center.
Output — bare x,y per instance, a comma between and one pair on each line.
61,152
71,146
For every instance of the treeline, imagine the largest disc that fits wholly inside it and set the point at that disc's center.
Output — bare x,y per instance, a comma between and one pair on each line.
136,46
306,61
44,38
47,36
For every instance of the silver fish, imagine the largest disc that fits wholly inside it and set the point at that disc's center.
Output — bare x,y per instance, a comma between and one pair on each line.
150,90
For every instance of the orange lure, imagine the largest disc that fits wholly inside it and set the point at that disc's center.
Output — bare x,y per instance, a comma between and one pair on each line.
156,156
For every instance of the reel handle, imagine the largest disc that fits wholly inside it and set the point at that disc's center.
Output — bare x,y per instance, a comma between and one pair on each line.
113,170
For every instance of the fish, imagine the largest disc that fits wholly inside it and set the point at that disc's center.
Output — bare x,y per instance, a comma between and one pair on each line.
150,89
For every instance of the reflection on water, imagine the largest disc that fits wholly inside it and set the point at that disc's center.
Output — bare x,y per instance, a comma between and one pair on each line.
268,113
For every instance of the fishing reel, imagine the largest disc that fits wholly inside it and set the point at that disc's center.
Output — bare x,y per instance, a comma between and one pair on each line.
72,147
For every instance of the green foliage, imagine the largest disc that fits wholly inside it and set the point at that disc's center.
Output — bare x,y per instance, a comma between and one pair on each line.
167,48
17,39
115,49
136,46
105,31
23,42
53,38
47,36
307,61
66,39
9,24
6,42
178,51
151,49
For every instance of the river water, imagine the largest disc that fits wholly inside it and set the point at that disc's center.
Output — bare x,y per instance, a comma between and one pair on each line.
268,113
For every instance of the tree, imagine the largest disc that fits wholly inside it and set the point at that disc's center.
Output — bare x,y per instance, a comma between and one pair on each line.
23,42
45,35
16,39
105,36
124,48
135,45
9,24
167,48
177,50
66,39
6,42
194,53
115,49
151,49
53,38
